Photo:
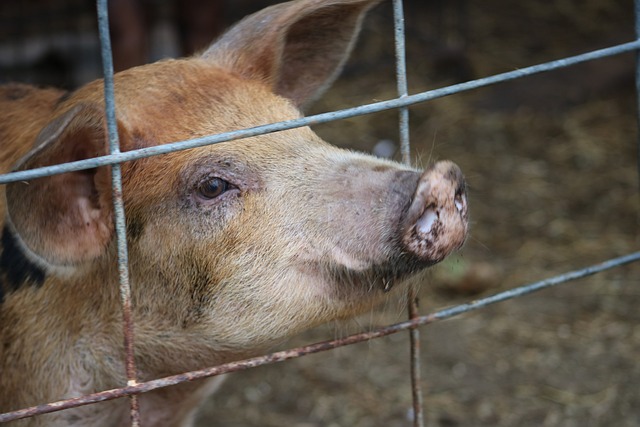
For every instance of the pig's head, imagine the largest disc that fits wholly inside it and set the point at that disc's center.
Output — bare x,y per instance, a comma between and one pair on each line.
237,244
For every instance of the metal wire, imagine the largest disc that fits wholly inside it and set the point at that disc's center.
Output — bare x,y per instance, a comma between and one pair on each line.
281,356
118,204
405,149
401,77
316,119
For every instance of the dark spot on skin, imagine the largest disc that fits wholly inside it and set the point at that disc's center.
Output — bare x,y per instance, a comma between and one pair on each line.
200,282
138,140
454,175
72,419
14,92
135,228
177,98
381,168
63,98
430,244
15,268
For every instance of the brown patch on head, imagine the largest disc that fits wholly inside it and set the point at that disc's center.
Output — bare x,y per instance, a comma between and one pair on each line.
202,285
381,168
63,98
135,228
15,91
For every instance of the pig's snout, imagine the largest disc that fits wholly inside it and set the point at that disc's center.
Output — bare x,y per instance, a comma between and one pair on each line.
436,221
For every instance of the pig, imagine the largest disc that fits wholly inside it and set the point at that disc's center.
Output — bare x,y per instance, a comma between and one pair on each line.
233,247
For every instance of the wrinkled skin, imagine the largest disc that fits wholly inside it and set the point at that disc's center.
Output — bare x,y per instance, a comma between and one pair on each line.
232,247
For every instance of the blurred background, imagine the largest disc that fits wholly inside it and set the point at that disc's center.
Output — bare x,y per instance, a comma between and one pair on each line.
551,164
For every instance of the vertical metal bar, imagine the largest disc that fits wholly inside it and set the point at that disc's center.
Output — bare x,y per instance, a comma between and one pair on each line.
118,204
637,16
405,149
401,76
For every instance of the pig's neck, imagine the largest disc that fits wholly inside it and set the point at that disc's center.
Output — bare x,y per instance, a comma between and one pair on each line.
68,334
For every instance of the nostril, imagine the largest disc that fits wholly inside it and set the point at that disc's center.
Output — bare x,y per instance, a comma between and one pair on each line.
460,201
425,223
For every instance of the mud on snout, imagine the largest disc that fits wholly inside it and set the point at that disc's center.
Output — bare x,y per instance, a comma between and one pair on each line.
436,222
425,216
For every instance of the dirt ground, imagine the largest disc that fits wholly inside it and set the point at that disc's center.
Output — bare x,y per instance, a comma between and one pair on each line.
551,164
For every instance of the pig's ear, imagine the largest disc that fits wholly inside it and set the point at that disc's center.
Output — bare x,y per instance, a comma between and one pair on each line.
297,48
64,219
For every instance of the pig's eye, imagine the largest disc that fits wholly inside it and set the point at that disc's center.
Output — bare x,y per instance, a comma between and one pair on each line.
212,188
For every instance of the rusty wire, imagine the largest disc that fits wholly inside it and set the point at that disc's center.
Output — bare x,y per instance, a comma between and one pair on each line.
281,356
118,205
115,158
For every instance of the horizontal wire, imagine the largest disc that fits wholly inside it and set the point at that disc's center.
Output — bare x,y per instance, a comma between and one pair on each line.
315,119
281,356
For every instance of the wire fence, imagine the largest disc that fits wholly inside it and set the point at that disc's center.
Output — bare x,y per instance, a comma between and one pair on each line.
402,102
